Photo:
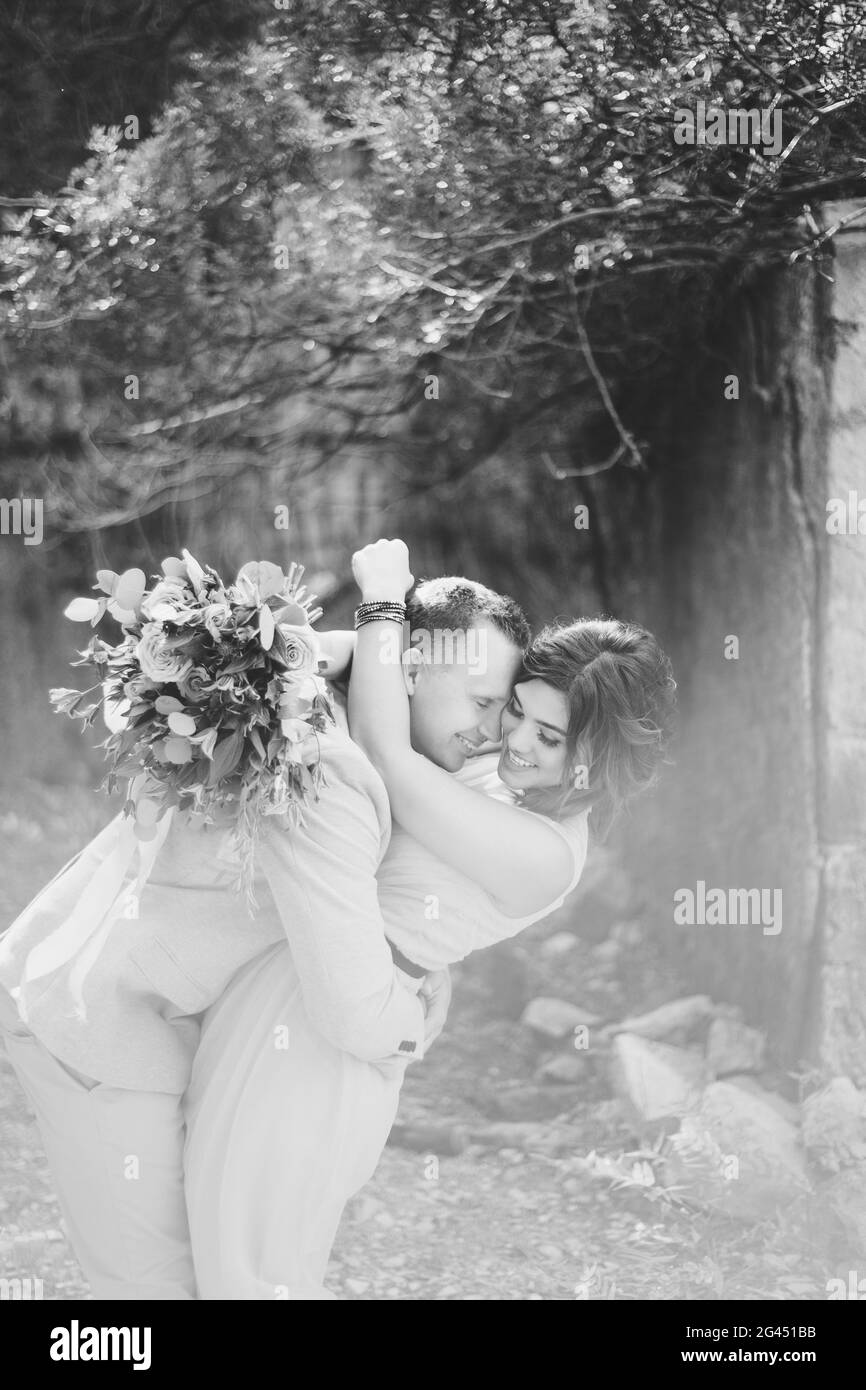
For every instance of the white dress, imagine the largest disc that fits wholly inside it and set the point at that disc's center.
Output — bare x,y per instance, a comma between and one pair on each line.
282,1128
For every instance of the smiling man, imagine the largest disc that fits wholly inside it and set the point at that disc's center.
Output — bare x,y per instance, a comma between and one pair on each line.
456,701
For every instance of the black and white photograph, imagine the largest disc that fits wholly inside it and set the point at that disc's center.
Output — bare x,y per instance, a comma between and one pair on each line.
432,632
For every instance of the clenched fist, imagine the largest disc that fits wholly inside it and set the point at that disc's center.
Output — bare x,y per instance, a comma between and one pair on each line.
382,571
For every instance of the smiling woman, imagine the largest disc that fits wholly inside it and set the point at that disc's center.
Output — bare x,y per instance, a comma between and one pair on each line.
535,730
593,708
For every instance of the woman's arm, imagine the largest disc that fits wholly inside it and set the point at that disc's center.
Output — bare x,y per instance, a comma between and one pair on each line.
516,857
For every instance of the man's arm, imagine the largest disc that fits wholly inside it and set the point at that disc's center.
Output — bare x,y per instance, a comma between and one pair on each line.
322,876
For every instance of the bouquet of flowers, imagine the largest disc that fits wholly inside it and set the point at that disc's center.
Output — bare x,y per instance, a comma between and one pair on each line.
220,690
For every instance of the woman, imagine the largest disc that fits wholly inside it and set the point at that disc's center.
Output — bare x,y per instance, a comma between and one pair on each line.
279,1138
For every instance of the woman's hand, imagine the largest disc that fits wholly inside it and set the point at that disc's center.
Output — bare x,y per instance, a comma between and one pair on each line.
382,571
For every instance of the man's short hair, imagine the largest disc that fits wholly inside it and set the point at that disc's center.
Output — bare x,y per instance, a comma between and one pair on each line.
452,602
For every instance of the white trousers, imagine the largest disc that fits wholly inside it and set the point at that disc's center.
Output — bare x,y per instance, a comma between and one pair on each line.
117,1161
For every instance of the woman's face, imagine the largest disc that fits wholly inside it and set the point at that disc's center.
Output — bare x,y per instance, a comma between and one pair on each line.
534,723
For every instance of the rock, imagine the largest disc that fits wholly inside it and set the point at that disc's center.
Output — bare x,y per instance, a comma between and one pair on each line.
550,1252
734,1047
677,1019
655,1079
357,1286
783,1107
425,1138
607,952
558,945
834,1125
628,934
567,1069
528,1103
843,1199
555,1018
736,1154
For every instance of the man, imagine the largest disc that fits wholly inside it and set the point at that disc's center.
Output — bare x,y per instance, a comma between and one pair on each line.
107,1088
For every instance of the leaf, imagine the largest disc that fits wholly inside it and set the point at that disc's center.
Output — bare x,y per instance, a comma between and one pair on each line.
146,812
178,750
226,757
106,580
82,610
194,571
103,604
122,615
267,627
167,704
267,577
207,741
130,589
294,615
182,724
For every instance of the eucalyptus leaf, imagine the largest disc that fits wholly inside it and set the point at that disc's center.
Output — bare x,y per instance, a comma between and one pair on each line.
82,610
266,627
130,590
106,580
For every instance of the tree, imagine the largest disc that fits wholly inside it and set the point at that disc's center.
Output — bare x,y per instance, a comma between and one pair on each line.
490,196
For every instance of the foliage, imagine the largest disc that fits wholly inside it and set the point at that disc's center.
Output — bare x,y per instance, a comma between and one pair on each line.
369,197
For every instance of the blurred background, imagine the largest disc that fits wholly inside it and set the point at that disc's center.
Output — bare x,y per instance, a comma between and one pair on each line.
280,278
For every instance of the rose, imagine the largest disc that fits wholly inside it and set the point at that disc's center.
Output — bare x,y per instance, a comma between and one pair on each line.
168,600
196,685
156,660
301,653
215,615
136,686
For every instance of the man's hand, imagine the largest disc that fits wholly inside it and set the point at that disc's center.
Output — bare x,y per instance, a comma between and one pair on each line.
382,570
436,994
336,650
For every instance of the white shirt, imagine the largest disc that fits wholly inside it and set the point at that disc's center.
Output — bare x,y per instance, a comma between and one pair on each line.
436,915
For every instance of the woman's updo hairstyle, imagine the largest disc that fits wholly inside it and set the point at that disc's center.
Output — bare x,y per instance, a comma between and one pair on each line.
621,698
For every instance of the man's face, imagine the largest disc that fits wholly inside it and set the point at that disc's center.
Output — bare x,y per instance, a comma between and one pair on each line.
457,704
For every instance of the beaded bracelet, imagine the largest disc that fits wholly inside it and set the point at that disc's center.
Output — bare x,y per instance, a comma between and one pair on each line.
379,618
381,605
377,612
